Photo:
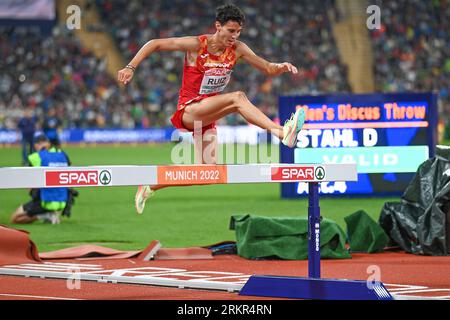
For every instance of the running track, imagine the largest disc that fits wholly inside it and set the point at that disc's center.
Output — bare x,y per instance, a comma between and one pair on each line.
406,274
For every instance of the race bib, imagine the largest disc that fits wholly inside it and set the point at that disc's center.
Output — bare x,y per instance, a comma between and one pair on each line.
215,80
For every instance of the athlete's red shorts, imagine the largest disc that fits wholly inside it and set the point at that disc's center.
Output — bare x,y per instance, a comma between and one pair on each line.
178,116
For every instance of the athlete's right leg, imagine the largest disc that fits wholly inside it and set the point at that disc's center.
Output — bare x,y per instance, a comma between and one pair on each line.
214,108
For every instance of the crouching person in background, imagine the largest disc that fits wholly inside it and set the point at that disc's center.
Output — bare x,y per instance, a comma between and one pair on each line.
46,204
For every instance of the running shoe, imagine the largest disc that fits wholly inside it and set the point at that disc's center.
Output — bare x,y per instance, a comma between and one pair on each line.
143,193
292,127
49,217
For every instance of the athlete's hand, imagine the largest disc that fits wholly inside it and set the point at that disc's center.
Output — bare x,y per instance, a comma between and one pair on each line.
287,67
125,75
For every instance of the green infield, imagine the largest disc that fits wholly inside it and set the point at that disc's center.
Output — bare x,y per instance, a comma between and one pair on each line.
178,216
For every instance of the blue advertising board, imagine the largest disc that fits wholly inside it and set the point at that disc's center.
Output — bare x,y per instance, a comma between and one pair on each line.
387,135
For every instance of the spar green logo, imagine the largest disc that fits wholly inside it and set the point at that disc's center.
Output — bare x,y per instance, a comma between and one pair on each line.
105,177
319,173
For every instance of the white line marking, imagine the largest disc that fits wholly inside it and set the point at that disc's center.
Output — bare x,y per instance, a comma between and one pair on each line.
38,297
406,297
402,287
424,290
73,264
141,270
55,266
49,268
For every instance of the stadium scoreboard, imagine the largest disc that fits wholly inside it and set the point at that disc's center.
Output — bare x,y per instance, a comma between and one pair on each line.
387,135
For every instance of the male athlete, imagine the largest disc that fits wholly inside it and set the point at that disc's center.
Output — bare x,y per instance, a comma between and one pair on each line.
209,60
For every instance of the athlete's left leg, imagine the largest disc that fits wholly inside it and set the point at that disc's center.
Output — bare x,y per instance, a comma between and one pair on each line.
205,152
205,146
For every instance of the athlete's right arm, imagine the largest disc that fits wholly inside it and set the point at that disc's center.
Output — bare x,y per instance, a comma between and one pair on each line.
167,44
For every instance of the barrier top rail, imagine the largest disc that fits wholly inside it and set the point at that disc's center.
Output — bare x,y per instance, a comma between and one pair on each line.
132,175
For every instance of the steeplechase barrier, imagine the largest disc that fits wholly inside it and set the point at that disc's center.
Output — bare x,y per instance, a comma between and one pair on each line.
311,287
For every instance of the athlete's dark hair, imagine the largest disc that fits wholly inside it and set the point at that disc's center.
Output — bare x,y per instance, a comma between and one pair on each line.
229,12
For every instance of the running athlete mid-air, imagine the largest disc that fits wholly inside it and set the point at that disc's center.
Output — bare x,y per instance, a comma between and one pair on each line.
209,60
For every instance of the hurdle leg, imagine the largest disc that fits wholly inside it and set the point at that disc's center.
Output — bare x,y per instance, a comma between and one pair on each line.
313,287
314,231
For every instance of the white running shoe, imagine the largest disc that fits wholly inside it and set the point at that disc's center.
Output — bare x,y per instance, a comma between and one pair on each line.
49,217
292,127
143,193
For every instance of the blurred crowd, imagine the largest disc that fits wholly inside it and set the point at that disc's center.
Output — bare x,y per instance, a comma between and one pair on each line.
412,49
55,72
42,72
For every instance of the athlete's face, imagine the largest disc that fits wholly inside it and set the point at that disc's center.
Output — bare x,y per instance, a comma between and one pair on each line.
228,32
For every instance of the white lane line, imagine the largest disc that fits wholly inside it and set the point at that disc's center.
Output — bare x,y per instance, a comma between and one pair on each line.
61,269
38,297
53,266
81,265
424,290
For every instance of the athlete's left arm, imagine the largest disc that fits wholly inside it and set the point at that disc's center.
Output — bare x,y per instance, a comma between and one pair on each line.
269,68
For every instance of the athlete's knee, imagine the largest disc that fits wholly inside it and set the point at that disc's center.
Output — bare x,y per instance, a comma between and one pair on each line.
239,96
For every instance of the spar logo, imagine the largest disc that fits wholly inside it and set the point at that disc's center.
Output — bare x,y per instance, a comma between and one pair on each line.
320,173
77,178
105,177
306,173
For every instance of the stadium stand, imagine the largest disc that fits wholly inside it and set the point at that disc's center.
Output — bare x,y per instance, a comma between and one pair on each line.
94,99
41,72
410,53
412,49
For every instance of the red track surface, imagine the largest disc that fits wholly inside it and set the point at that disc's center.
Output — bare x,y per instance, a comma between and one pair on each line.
396,268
